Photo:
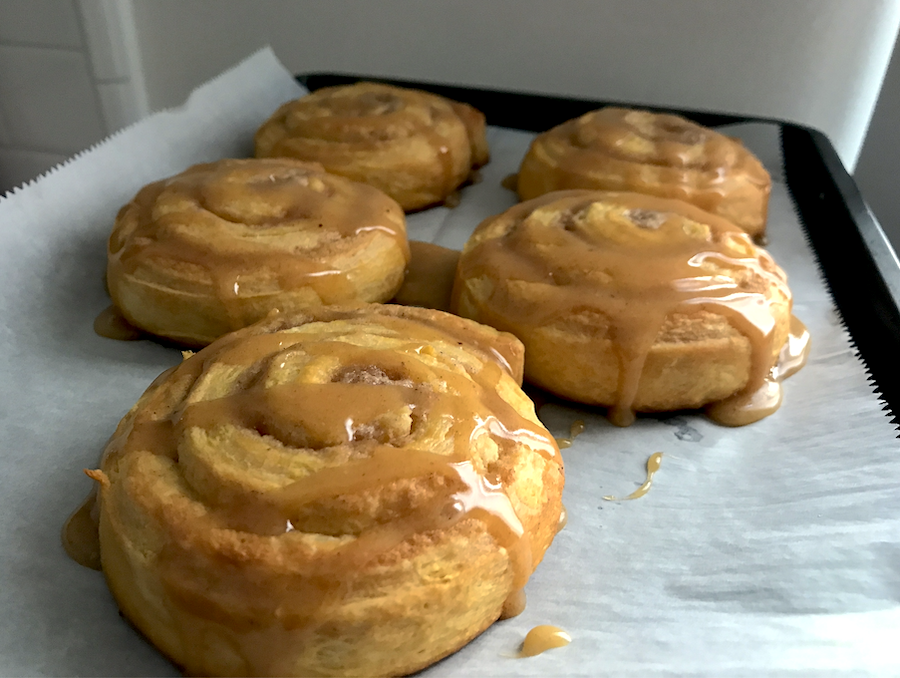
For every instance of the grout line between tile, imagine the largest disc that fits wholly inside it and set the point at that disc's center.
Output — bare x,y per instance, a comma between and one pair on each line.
35,149
33,45
79,20
4,125
113,81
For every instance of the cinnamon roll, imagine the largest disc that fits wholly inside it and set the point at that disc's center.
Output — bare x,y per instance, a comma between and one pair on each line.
633,302
220,245
350,491
415,146
619,149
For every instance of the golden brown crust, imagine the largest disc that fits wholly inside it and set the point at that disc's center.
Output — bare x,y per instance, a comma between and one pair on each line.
336,493
415,146
617,149
628,301
476,128
220,245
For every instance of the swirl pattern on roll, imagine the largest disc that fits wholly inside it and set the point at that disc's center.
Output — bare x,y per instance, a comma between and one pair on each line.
220,245
415,146
618,149
350,492
633,302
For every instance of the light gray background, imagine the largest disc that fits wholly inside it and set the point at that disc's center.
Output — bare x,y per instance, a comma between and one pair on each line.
73,70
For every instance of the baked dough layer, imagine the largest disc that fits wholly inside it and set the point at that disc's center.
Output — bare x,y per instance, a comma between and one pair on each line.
415,146
220,245
350,491
619,149
629,301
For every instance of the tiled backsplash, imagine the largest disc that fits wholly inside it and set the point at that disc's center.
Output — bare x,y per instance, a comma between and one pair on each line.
70,70
48,23
67,79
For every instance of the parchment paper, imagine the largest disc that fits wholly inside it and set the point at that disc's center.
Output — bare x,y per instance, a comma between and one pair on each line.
772,549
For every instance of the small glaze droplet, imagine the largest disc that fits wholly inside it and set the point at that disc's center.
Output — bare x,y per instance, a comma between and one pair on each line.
563,519
575,429
80,535
543,638
653,464
112,325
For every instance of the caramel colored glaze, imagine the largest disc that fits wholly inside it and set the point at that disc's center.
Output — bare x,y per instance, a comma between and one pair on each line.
110,323
575,429
429,276
635,262
80,538
563,519
452,200
514,605
543,638
746,408
415,146
270,226
444,153
511,182
375,404
795,352
476,128
617,149
653,464
538,396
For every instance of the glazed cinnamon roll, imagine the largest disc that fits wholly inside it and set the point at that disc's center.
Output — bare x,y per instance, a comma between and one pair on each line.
352,491
619,149
633,302
220,245
415,146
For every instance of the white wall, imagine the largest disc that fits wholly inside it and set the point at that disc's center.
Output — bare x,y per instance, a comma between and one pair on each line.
68,77
71,70
878,171
819,62
43,63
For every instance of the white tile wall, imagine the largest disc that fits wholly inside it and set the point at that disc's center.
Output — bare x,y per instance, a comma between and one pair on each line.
112,45
109,53
69,75
48,99
878,171
18,167
120,103
52,23
5,137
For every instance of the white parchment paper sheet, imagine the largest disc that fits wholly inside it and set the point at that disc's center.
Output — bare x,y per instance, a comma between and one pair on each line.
773,549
